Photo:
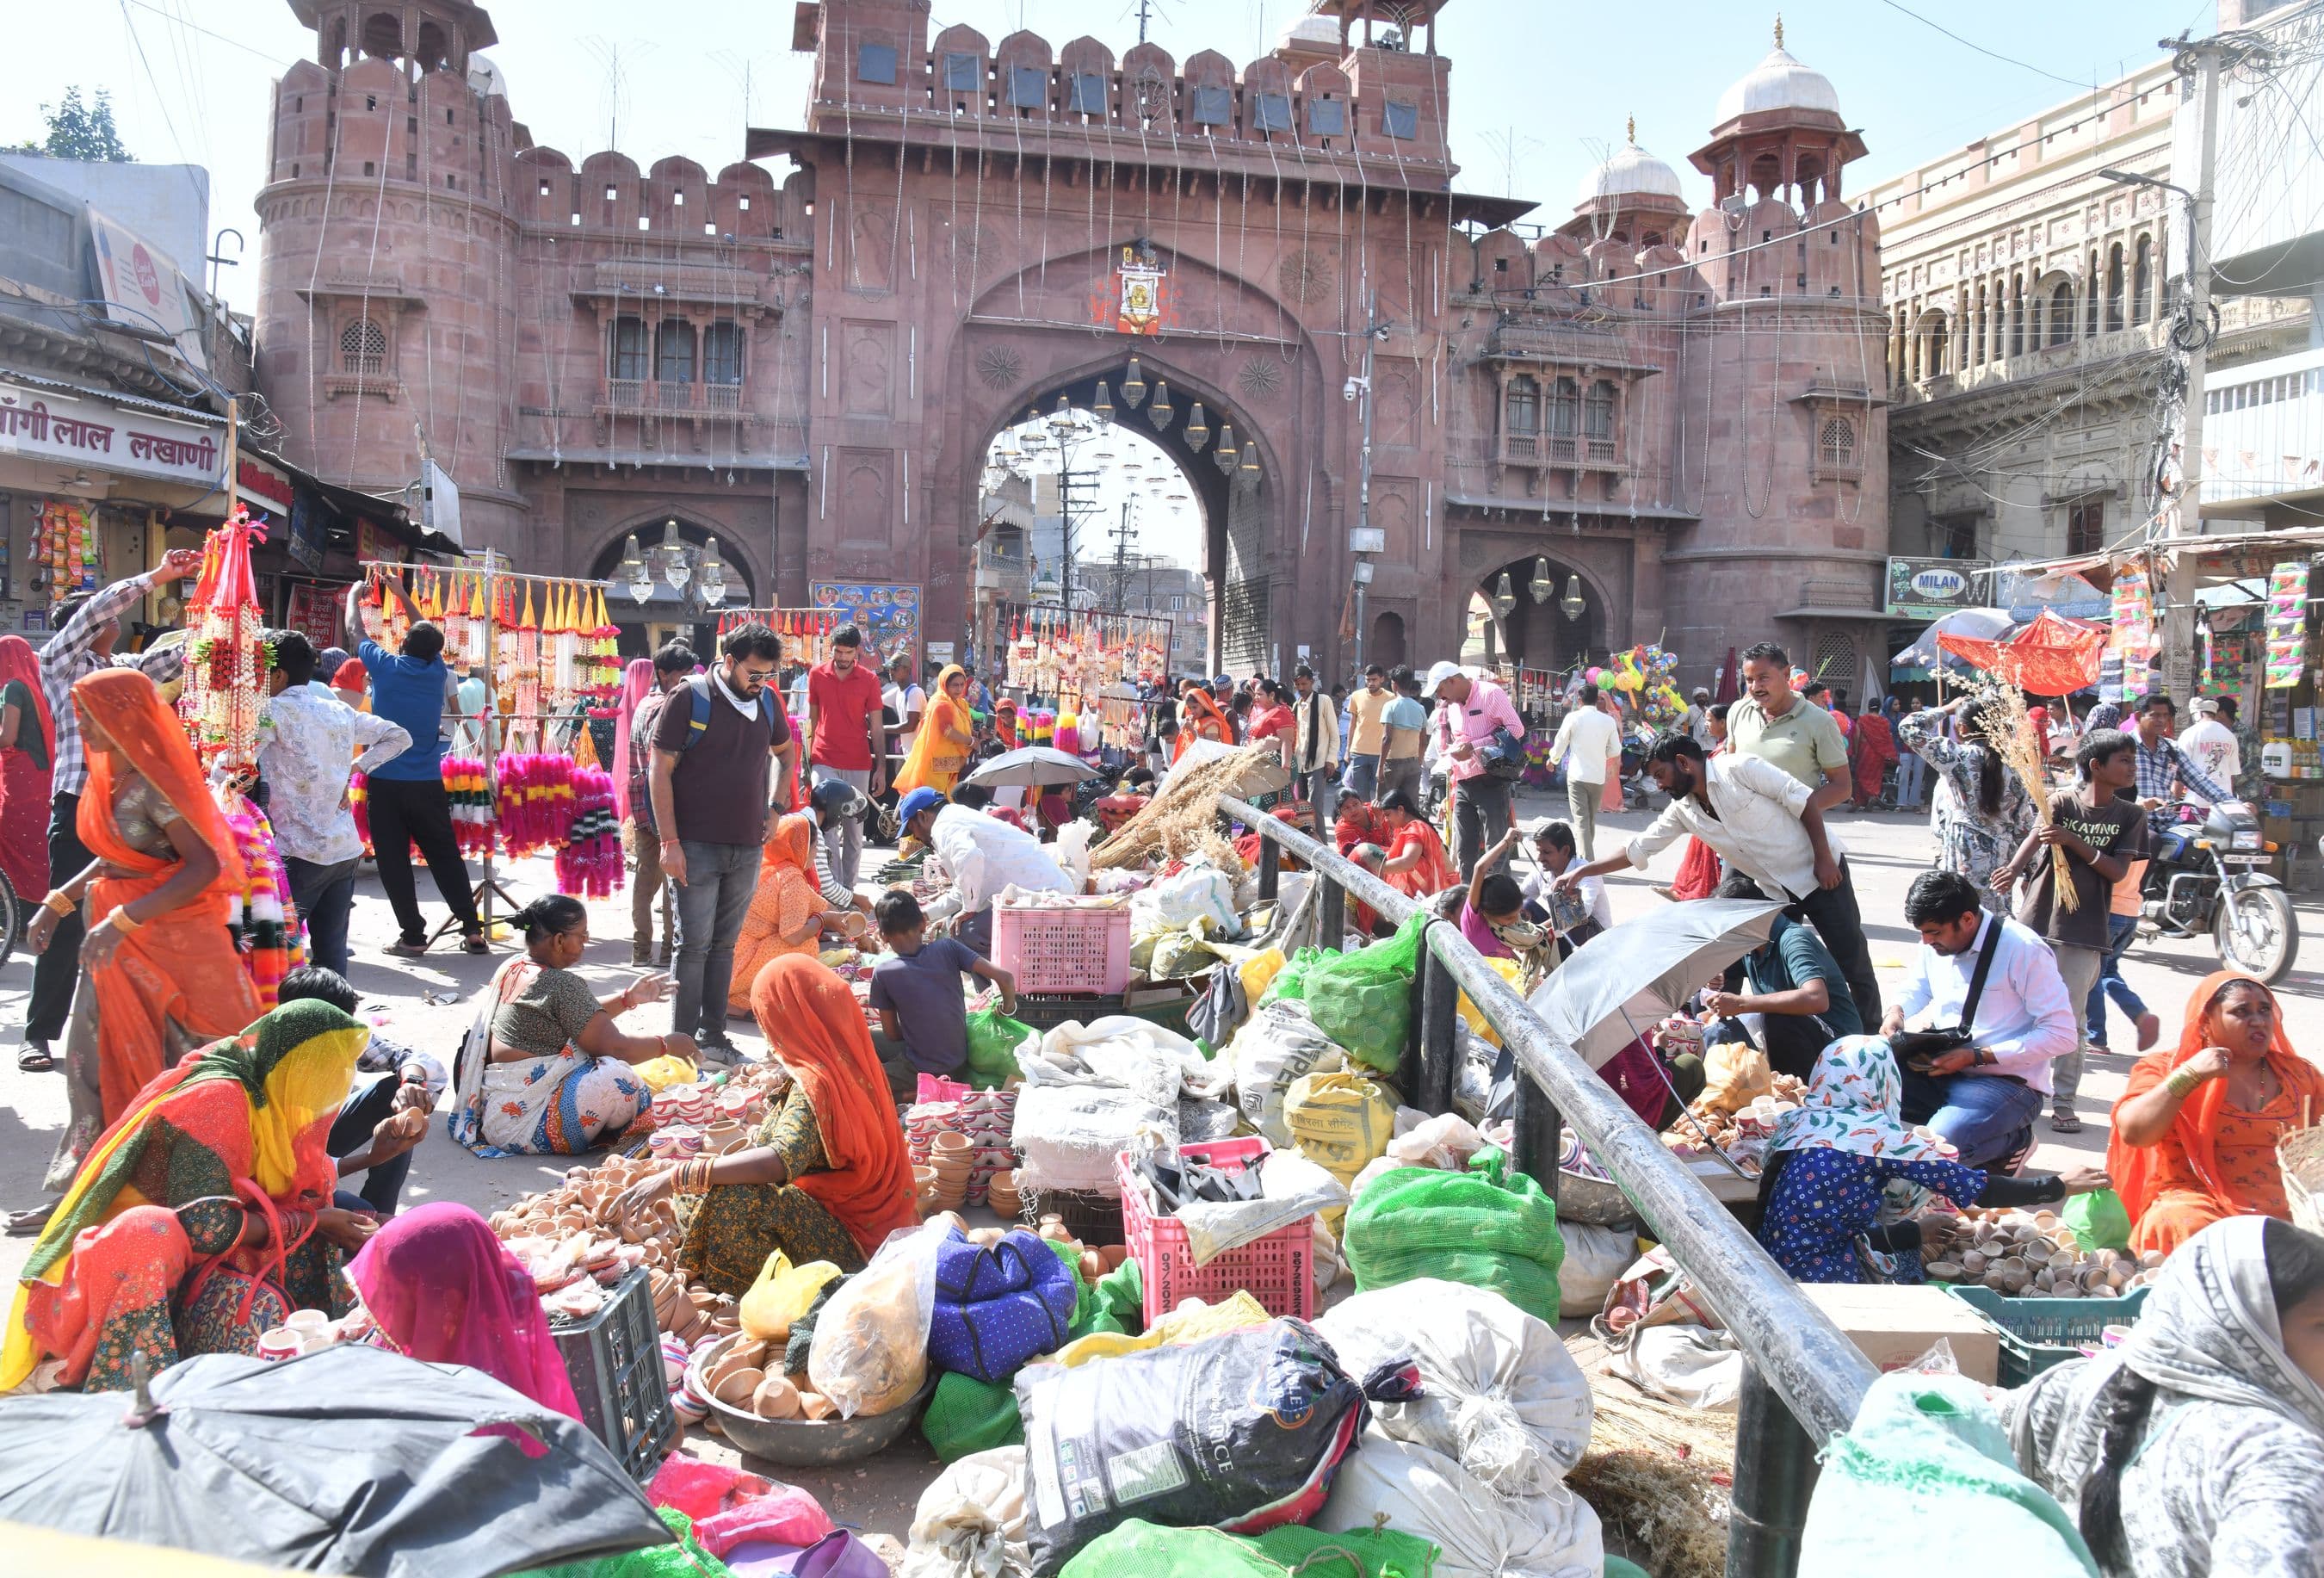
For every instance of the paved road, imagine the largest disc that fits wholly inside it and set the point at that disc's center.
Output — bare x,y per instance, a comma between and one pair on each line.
1885,851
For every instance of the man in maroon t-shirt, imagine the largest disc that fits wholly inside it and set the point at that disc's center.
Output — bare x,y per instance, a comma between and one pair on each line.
851,741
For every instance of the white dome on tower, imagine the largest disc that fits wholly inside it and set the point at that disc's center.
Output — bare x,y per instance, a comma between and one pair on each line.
1631,172
1779,82
1314,32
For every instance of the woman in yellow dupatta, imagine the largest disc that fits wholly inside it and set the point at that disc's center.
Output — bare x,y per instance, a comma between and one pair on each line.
203,1215
940,750
787,913
160,975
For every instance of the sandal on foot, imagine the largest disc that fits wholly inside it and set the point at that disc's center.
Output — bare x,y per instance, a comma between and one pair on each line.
2064,1124
475,944
34,1058
407,950
28,1223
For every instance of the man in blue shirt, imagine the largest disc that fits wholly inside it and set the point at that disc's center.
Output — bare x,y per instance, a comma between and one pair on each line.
1402,726
406,795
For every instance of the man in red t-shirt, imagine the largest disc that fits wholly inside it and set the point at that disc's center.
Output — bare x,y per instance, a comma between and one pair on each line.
851,741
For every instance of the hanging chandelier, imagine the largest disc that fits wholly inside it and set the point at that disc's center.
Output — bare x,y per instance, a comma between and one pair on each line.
1133,387
1543,584
1504,597
1571,604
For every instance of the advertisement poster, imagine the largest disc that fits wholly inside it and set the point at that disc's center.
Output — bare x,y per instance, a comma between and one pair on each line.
1925,588
888,614
314,612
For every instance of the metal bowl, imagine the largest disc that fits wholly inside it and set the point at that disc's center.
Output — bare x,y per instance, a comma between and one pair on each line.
1599,1202
804,1442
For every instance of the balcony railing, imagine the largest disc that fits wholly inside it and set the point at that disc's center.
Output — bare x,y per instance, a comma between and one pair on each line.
641,396
1521,449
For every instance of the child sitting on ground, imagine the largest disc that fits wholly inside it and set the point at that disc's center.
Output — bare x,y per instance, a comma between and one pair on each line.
923,1016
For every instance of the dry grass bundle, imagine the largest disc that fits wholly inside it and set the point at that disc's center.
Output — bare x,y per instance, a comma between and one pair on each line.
2010,731
1658,1478
1183,820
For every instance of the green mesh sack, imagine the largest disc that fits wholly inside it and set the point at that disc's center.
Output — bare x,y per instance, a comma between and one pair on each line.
1137,1549
681,1559
993,1039
1364,1000
1291,981
1489,1227
966,1414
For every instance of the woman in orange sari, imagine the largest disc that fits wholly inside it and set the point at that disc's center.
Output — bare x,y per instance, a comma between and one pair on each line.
1200,718
159,975
1417,864
787,914
940,750
2195,1130
827,1177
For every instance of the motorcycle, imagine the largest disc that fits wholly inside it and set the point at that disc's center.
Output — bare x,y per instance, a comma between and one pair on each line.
2204,877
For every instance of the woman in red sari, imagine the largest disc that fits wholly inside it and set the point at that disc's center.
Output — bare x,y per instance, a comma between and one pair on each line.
1417,864
1872,748
28,737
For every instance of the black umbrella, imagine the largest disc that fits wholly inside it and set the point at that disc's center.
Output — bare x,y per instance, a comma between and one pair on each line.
349,1460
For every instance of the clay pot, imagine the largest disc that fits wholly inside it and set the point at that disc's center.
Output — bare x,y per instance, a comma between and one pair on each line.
1114,1255
775,1398
736,1388
1092,1265
949,1143
816,1405
923,1177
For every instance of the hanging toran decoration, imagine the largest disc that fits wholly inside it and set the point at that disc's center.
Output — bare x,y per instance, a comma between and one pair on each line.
529,657
605,637
465,625
504,656
225,690
560,644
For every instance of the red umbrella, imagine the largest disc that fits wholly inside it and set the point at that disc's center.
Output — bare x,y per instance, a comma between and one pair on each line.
2052,656
1730,682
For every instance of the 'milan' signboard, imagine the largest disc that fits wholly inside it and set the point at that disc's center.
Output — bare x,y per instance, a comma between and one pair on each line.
1924,588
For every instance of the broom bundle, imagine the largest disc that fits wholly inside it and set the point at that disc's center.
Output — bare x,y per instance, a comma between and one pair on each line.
2010,731
1184,818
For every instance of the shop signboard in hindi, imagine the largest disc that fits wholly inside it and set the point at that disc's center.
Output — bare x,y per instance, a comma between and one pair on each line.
83,432
889,614
1926,588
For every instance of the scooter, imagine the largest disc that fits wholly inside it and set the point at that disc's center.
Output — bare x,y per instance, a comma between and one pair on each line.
2204,876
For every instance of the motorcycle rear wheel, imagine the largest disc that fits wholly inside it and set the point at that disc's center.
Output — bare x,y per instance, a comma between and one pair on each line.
2254,929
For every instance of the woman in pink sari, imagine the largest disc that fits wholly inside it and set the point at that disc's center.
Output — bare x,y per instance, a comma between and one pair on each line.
439,1287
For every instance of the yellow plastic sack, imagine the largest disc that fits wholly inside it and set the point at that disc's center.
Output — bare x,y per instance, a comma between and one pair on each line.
781,1295
1510,971
660,1073
1339,1121
1735,1074
1190,1323
1258,973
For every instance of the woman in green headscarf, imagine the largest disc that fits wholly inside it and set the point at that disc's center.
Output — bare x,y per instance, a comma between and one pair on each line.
203,1215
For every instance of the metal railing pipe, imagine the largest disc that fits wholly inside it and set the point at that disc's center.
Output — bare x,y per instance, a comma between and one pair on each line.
1820,1375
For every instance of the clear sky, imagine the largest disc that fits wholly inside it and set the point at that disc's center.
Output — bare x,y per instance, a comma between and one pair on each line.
1540,87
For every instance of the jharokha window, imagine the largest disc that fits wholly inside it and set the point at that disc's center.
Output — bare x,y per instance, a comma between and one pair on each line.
362,347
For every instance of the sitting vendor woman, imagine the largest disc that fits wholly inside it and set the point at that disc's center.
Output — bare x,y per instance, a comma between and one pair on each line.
827,1178
1829,1160
546,1070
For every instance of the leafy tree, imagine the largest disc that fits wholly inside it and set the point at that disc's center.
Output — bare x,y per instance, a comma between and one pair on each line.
81,130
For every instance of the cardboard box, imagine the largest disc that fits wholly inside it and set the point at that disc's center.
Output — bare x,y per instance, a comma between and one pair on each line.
1894,1326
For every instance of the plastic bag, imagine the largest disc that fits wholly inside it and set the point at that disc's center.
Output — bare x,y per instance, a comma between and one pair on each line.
966,1416
1291,981
1123,1050
870,1352
658,1073
1148,1550
1276,1045
1364,1000
1071,852
1221,1010
1240,1432
1924,1483
1445,1142
781,1295
1509,970
1069,1134
2097,1219
1339,1121
993,1040
1489,1227
999,1304
1595,1259
1258,973
1396,1484
1499,1393
1199,892
970,1522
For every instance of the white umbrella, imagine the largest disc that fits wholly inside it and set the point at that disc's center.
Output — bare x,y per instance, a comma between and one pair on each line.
1033,767
1620,981
1983,624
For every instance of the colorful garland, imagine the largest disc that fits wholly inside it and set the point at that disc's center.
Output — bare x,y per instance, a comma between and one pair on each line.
536,805
471,792
267,931
590,865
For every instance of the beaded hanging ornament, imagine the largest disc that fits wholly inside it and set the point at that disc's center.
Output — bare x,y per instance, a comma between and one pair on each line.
224,693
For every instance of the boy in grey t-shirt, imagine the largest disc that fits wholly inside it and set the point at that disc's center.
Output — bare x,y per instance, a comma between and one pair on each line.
922,1014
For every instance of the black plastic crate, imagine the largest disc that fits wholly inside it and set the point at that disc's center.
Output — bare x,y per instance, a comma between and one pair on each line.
613,1359
1047,1009
1093,1218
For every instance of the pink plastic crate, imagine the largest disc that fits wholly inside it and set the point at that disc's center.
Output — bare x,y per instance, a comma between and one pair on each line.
1062,948
1279,1270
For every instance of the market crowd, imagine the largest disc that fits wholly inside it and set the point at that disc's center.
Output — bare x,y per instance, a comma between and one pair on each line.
239,1138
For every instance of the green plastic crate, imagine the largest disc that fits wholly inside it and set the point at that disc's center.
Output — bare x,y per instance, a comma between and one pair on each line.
2038,1333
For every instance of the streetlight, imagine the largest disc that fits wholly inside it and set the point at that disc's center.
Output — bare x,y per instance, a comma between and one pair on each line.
1571,604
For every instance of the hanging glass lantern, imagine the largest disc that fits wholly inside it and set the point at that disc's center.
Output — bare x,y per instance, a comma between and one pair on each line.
1250,467
1133,387
1571,604
1198,430
673,557
1104,409
1504,597
712,579
633,570
1543,583
1162,410
1063,417
1224,455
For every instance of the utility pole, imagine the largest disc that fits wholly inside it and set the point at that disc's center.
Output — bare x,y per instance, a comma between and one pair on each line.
2187,508
1145,11
1120,598
1362,540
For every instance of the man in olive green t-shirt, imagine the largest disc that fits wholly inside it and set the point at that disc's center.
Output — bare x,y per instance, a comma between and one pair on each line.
1779,725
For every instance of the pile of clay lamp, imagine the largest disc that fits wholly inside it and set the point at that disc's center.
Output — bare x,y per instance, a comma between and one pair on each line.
1729,1129
2028,1254
568,1240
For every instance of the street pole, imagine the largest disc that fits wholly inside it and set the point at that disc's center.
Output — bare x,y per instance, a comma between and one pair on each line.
1364,467
2187,507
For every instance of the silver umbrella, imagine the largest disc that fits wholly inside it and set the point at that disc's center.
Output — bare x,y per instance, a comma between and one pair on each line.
1033,767
1620,981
